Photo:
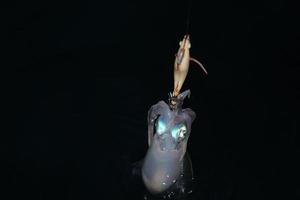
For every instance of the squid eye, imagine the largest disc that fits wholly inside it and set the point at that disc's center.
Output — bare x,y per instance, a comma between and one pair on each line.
160,126
179,132
182,132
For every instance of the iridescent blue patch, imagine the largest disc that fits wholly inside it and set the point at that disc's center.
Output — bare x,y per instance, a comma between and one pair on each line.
178,130
161,126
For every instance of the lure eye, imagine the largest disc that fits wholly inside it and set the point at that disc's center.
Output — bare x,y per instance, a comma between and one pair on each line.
160,126
179,132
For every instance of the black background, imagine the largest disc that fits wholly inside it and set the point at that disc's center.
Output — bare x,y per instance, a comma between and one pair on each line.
86,73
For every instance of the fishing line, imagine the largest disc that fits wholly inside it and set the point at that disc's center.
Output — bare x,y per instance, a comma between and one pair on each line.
188,16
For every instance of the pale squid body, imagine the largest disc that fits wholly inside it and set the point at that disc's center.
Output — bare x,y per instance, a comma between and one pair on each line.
181,64
168,131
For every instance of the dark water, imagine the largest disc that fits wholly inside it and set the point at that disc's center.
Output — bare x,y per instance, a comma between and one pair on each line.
86,73
75,144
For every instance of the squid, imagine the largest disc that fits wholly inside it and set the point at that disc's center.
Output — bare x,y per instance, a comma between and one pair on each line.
167,166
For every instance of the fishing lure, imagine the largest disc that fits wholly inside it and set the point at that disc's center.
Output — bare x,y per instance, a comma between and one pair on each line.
166,165
182,62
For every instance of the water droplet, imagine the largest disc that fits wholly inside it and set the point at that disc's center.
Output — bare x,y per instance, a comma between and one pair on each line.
174,181
189,192
182,189
168,176
164,183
